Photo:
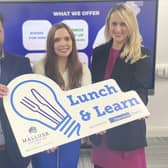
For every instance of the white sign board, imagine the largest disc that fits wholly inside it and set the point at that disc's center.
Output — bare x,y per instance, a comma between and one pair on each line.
43,116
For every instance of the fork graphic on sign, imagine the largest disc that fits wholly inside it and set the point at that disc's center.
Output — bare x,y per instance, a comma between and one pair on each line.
50,112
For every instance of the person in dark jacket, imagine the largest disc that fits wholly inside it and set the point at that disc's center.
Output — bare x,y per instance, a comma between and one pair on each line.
11,66
124,59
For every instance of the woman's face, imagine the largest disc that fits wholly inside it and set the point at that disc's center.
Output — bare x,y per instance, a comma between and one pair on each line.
118,29
63,43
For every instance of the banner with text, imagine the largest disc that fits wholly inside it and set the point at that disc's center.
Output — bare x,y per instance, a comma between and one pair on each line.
43,116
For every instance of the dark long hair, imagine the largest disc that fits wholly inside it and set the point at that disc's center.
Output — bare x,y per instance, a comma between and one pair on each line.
73,65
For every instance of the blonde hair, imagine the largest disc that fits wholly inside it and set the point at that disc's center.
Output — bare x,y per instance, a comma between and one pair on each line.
132,48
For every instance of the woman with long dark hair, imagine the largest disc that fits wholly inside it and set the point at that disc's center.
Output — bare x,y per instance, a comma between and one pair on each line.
62,65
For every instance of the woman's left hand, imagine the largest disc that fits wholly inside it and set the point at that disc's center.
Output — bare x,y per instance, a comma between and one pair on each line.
51,150
3,90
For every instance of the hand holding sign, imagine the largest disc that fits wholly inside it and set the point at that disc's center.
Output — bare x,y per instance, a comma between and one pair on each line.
58,118
42,115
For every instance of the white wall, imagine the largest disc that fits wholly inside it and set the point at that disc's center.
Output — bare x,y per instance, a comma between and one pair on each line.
157,123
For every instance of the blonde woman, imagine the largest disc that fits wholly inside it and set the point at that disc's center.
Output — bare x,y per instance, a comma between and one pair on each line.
124,59
63,66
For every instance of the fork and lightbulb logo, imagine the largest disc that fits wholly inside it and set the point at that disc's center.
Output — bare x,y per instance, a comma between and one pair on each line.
40,104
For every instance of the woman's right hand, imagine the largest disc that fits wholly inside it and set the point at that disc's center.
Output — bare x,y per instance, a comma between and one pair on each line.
101,132
3,90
